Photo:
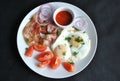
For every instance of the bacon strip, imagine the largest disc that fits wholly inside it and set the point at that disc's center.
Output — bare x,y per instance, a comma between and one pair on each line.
40,24
31,31
52,28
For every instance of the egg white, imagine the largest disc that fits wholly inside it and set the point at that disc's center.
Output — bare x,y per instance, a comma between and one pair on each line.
82,50
61,41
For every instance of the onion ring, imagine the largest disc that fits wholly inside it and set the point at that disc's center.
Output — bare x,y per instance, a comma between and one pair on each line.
80,23
45,13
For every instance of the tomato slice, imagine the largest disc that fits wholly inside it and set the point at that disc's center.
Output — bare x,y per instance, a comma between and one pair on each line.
44,63
47,55
39,48
29,51
55,62
69,67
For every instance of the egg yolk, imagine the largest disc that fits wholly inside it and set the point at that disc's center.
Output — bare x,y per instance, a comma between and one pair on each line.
76,41
60,50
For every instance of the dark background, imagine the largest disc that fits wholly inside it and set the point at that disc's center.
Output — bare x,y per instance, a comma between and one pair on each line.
104,67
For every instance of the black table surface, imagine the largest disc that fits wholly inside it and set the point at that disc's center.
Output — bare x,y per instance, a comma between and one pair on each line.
105,65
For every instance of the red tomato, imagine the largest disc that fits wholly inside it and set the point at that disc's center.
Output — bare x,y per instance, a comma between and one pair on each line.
29,51
39,48
55,62
44,63
69,67
44,56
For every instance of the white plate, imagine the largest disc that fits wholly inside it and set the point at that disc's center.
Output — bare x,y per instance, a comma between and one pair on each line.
60,72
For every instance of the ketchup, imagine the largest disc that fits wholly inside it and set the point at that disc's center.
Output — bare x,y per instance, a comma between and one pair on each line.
64,18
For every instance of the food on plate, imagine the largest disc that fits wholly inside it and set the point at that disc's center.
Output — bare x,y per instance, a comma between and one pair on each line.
30,31
29,51
75,45
60,51
40,29
55,62
44,63
35,32
56,45
69,66
39,48
80,23
44,56
76,41
45,13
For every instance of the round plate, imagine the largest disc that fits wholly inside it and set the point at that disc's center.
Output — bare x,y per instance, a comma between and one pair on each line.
60,72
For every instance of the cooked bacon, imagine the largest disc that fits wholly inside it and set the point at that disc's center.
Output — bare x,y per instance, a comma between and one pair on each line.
49,39
52,28
48,28
43,27
31,31
41,33
34,18
46,42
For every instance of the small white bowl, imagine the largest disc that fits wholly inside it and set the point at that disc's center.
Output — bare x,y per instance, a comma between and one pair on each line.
63,9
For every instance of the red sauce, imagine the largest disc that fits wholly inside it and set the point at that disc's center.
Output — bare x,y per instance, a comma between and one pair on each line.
64,18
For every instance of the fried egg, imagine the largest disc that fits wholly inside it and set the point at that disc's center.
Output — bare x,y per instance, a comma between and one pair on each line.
80,45
71,45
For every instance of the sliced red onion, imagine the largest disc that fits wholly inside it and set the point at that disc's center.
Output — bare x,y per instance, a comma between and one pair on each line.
45,13
80,23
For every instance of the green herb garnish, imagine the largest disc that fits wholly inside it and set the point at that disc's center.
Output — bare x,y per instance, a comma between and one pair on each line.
64,53
70,46
72,62
59,47
84,32
30,18
26,48
44,25
78,39
26,39
72,35
59,32
76,28
68,39
75,53
83,43
48,32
